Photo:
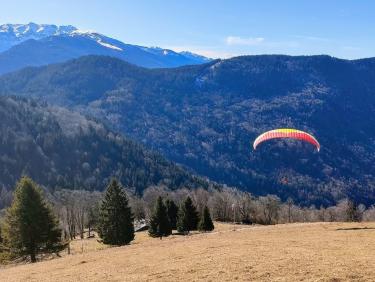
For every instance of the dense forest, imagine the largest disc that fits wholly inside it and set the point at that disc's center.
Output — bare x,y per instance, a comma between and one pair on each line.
62,149
205,117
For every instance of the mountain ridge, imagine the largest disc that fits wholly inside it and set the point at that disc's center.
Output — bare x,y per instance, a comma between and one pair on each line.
35,45
13,34
206,116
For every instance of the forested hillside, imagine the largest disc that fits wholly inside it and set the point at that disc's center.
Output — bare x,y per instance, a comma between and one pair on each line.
207,116
62,149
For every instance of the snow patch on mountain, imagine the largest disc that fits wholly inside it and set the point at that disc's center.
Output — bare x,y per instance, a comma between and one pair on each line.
109,45
99,38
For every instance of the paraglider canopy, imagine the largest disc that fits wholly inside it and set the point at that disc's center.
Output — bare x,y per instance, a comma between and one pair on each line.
286,133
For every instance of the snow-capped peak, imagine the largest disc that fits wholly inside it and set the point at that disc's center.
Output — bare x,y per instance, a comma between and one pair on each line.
13,34
16,33
83,32
33,30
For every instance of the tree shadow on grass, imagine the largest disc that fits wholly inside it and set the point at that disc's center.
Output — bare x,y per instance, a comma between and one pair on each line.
355,228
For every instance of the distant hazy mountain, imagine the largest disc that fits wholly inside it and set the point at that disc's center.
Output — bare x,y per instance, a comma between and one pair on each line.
207,116
60,148
35,45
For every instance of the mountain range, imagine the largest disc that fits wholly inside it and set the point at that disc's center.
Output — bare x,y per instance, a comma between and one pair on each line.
205,117
23,45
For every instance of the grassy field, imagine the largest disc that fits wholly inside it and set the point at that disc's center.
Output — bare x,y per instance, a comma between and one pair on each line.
291,252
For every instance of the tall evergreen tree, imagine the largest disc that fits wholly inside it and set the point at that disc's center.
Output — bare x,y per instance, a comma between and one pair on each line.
30,226
172,210
116,222
187,217
206,224
1,237
159,223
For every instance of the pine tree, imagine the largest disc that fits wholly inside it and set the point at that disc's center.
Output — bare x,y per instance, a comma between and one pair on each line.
1,238
116,225
187,217
159,223
30,226
206,224
172,210
1,243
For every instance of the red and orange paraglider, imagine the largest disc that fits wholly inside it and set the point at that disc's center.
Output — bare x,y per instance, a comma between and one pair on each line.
286,133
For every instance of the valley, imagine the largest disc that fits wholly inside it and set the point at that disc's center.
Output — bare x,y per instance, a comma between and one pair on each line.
206,117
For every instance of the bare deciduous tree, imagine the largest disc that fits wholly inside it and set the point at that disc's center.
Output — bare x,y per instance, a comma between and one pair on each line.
269,209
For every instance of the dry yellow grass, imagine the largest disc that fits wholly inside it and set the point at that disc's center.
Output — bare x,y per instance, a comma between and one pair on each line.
292,252
88,245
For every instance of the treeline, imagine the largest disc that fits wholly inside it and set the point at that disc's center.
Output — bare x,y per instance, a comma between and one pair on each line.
232,205
38,223
31,229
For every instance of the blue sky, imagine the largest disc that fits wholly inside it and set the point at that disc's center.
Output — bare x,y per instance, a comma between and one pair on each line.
219,28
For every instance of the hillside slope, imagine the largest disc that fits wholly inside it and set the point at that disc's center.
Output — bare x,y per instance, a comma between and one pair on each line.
60,148
291,252
206,117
